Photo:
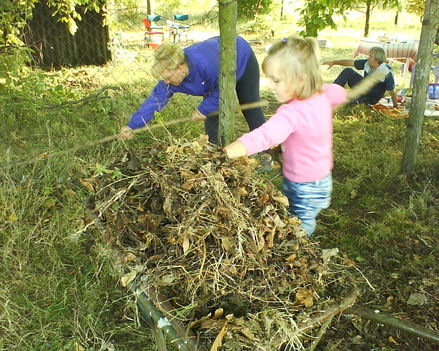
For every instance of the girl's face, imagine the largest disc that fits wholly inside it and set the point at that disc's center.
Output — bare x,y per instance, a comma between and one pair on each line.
278,84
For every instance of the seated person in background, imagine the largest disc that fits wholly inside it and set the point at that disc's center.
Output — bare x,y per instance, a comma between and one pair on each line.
376,61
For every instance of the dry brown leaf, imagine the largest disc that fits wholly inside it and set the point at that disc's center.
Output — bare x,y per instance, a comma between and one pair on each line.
265,198
171,148
270,238
196,146
187,174
278,222
282,199
305,296
292,257
348,262
218,313
294,221
219,338
86,183
69,192
248,333
130,257
213,323
128,278
392,340
189,184
186,245
242,191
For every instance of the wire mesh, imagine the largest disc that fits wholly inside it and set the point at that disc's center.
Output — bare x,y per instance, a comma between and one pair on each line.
124,41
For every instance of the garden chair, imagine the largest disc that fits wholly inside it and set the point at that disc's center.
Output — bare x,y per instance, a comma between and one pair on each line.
176,28
151,31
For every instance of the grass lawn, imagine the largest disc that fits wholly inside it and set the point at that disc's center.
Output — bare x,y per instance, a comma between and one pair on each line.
61,294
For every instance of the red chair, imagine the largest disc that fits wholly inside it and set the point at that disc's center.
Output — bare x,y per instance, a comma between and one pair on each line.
149,32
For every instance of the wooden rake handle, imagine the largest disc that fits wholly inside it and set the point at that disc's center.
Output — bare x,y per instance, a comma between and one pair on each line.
243,107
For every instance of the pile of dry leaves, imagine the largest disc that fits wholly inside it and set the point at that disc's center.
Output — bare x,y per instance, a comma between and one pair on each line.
218,242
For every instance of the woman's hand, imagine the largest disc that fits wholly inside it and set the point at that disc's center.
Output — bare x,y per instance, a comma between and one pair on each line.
126,133
197,116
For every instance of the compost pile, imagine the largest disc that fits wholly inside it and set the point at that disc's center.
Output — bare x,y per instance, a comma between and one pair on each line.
218,242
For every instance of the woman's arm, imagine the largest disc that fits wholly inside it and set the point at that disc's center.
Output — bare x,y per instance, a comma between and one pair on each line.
155,102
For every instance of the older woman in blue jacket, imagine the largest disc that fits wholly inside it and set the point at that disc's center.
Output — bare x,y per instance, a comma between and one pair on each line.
195,71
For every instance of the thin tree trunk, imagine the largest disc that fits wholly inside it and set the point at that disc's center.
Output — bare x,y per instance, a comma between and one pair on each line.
421,79
396,18
282,9
227,76
366,25
148,7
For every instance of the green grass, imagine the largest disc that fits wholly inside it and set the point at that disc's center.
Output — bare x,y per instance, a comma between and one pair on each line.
61,294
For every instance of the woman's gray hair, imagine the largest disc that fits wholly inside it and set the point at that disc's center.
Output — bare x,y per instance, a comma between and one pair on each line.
378,54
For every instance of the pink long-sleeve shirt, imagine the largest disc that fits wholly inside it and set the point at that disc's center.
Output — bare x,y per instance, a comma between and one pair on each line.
304,128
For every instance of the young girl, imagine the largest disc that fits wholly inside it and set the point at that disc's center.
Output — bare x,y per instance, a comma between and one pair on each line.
303,125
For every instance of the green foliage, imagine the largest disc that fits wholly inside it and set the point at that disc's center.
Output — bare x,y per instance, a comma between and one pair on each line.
317,15
168,8
416,7
250,8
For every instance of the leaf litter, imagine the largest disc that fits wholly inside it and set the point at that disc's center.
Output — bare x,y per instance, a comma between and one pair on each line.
219,243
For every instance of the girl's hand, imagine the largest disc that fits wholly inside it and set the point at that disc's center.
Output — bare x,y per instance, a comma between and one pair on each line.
198,116
126,133
235,150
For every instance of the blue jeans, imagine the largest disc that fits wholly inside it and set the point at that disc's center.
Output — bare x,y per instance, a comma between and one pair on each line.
307,199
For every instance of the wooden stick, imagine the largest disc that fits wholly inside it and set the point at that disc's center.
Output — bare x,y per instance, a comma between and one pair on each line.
390,321
243,107
330,312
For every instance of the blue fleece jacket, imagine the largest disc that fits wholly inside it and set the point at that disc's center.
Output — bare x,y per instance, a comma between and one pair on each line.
203,59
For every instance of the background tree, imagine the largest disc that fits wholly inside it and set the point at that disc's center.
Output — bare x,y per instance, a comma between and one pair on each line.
249,8
318,14
430,23
416,7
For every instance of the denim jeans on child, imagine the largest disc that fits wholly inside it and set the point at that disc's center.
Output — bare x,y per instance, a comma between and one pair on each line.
307,199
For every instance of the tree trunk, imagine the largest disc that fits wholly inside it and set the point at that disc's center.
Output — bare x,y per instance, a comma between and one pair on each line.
227,75
282,9
366,25
421,79
148,7
396,18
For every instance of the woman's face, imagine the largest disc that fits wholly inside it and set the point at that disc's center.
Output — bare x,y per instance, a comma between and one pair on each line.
176,76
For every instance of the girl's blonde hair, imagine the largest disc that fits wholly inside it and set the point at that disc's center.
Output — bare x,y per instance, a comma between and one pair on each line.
168,56
298,63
